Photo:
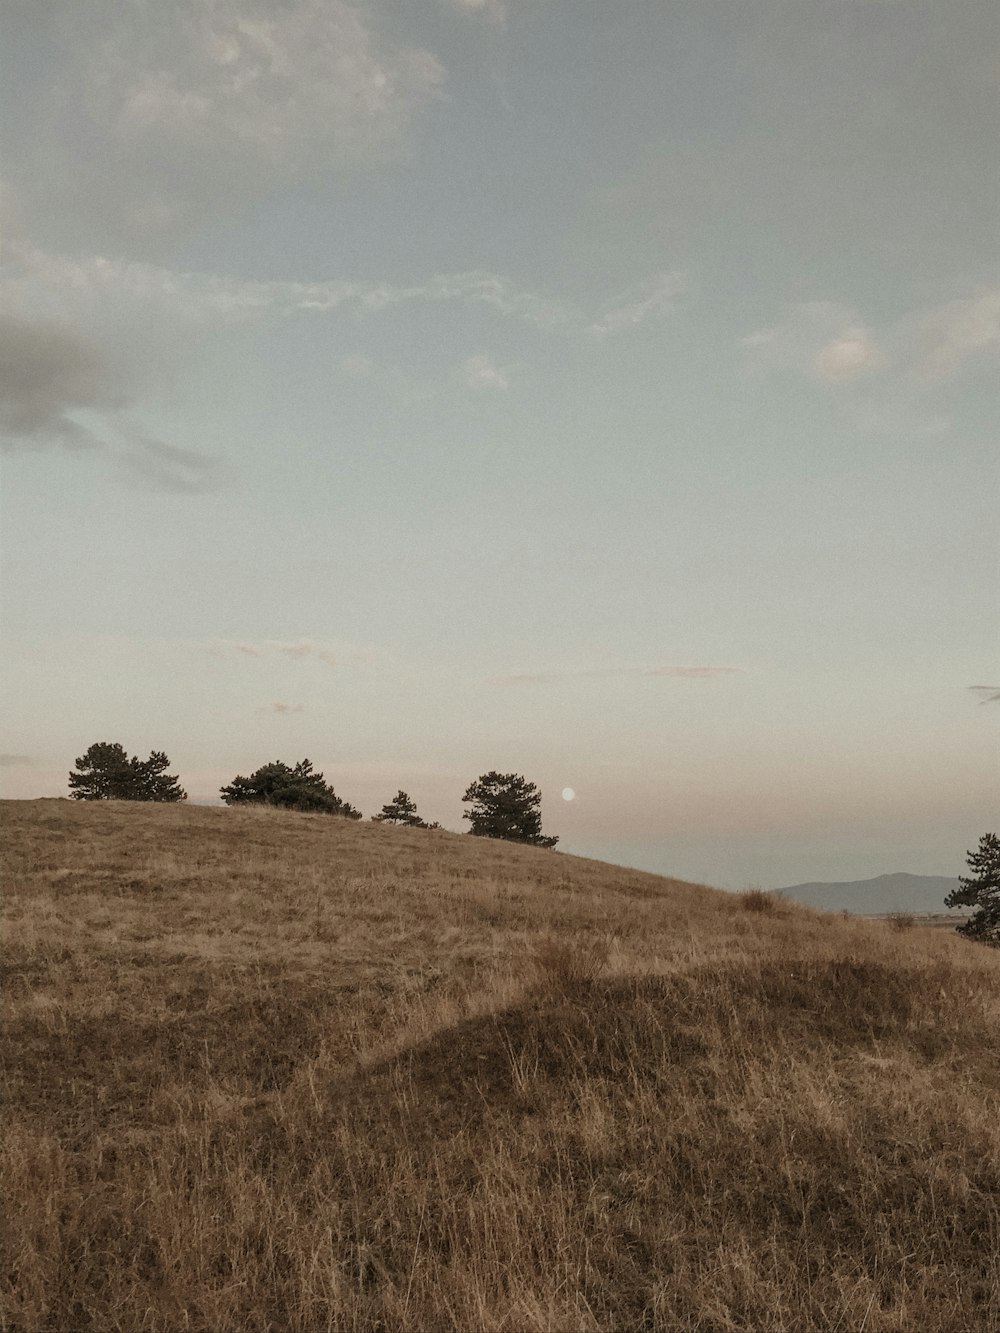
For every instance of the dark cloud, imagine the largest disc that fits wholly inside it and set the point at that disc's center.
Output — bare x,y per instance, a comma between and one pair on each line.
47,372
989,694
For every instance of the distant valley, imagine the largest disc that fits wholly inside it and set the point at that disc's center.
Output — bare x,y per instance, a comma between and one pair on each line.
885,893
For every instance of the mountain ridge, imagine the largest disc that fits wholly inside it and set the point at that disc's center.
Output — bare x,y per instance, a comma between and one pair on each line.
896,892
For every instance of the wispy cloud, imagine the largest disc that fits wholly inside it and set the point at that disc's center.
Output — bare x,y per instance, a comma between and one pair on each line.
482,372
151,464
651,301
30,272
608,673
988,694
15,760
295,649
281,708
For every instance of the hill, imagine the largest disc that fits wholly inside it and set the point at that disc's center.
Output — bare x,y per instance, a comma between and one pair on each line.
275,1071
873,897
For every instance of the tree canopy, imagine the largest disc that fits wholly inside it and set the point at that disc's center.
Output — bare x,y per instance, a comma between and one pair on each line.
401,810
294,788
980,890
106,773
506,805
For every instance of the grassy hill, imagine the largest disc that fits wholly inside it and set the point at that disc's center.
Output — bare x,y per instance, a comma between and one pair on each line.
274,1071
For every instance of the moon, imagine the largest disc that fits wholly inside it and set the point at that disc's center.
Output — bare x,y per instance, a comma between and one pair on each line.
568,793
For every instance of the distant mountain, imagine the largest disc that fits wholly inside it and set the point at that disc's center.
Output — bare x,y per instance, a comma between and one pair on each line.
885,893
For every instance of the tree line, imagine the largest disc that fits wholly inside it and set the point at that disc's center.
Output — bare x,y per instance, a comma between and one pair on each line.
503,805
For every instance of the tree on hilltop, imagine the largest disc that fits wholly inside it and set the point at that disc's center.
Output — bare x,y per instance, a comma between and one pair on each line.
106,773
298,788
980,890
400,810
505,805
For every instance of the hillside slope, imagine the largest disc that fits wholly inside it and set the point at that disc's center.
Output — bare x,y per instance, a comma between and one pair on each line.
277,1071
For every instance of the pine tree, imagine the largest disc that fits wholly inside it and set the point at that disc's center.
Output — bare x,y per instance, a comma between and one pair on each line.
298,788
152,782
400,810
106,773
982,891
506,806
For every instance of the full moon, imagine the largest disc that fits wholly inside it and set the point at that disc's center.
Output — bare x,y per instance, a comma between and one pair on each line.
568,793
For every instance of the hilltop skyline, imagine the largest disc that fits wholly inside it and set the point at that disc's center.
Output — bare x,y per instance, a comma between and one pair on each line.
605,394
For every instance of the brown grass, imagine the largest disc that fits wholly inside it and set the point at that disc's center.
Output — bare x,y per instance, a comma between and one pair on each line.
271,1071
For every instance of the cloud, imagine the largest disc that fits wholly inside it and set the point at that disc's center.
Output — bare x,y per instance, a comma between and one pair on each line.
15,760
296,649
197,106
831,343
826,341
850,354
306,80
957,333
283,708
990,694
31,275
607,673
50,373
652,301
494,10
357,367
884,380
481,372
153,465
47,372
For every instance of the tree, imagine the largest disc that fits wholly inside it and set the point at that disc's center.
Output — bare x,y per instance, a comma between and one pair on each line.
506,806
980,890
154,783
400,810
106,773
298,788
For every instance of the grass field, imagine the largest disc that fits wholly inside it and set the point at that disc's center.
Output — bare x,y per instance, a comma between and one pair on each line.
273,1071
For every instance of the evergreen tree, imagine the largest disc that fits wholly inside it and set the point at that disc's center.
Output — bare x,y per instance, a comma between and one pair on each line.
400,810
980,890
153,782
106,773
298,788
506,806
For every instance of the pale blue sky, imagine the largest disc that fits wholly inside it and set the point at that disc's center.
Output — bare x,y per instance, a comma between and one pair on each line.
606,392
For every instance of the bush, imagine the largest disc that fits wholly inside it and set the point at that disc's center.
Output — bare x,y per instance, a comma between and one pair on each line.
758,900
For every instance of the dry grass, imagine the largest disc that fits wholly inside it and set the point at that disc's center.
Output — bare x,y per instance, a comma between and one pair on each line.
272,1071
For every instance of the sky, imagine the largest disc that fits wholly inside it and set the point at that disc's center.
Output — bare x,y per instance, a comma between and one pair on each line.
603,392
